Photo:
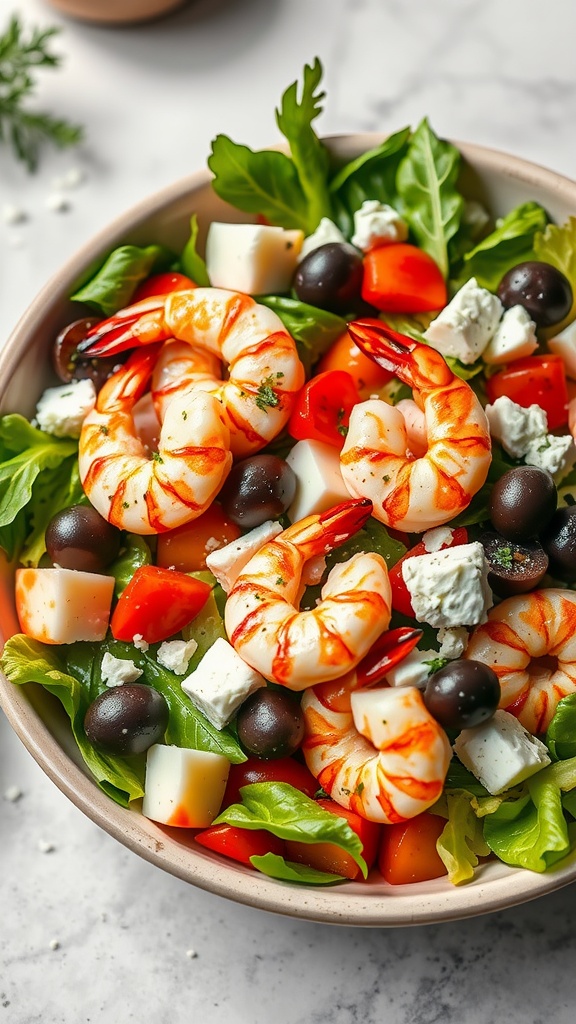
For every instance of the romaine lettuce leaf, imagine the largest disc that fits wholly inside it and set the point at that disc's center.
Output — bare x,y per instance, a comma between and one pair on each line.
314,330
561,735
191,262
461,843
511,242
370,176
275,866
112,286
557,245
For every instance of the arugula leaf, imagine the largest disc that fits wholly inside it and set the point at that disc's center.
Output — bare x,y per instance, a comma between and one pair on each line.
557,245
113,285
273,865
314,330
511,242
191,262
426,184
372,175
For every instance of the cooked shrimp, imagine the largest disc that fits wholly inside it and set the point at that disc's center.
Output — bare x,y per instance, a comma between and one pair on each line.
388,765
263,370
414,493
150,493
299,648
530,643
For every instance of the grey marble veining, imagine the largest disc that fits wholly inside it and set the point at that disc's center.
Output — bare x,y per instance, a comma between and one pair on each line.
89,932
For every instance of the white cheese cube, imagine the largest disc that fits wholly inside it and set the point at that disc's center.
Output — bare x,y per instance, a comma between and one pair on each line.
449,587
117,671
439,537
501,753
514,338
319,482
377,223
413,670
221,683
564,345
453,641
465,326
175,655
227,563
184,788
554,453
516,426
60,606
254,258
62,410
327,231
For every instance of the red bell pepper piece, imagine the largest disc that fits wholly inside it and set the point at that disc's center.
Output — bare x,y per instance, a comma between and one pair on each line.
400,594
162,284
323,407
157,603
400,278
281,769
240,843
329,856
535,380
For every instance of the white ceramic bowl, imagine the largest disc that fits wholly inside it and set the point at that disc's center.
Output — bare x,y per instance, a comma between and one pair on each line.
501,181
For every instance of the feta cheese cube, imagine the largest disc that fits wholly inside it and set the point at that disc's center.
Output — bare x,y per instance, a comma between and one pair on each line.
564,345
449,587
62,410
514,338
226,563
377,223
465,326
221,683
117,671
175,655
554,453
439,537
501,753
184,788
139,642
413,670
453,641
327,231
60,606
515,426
319,481
254,258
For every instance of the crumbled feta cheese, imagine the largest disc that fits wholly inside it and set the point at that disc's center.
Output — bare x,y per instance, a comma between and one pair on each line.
514,338
212,544
221,683
376,223
13,793
175,655
453,641
327,231
465,326
226,563
564,345
413,670
501,753
515,426
139,642
449,587
117,671
12,214
555,453
439,537
62,410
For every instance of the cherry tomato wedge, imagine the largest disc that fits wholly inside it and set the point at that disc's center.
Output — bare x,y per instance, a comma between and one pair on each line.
186,547
400,594
323,407
162,284
400,278
240,843
328,856
539,380
344,354
157,603
408,851
282,769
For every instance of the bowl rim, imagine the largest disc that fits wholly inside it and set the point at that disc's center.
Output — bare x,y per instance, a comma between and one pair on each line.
355,904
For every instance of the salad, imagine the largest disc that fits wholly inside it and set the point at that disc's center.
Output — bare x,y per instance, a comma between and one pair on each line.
295,534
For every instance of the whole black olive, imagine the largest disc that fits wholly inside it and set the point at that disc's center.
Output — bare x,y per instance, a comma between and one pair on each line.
126,719
330,277
70,365
463,694
79,538
514,568
543,290
559,543
522,502
270,724
259,488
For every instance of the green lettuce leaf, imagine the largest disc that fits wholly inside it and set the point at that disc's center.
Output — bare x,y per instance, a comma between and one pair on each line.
461,842
52,491
314,330
135,553
191,262
283,810
511,242
114,283
557,245
370,176
561,735
273,865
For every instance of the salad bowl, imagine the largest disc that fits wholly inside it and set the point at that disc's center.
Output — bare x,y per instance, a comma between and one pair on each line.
500,182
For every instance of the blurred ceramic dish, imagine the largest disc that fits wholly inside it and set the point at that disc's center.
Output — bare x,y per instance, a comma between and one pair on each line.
116,11
502,182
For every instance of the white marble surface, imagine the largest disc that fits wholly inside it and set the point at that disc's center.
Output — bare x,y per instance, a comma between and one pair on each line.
500,73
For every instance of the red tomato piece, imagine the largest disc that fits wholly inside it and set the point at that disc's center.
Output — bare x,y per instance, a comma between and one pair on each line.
400,278
240,843
400,594
162,284
283,769
157,603
344,354
328,856
323,407
186,547
535,380
408,850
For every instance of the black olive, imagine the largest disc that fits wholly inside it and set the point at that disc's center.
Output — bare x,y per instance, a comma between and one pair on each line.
126,719
270,724
514,568
559,543
542,289
259,488
69,365
522,502
463,694
79,538
330,277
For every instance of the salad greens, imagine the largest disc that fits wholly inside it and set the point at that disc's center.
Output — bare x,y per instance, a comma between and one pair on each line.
114,283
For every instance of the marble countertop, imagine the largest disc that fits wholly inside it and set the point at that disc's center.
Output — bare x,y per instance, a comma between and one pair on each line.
88,931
